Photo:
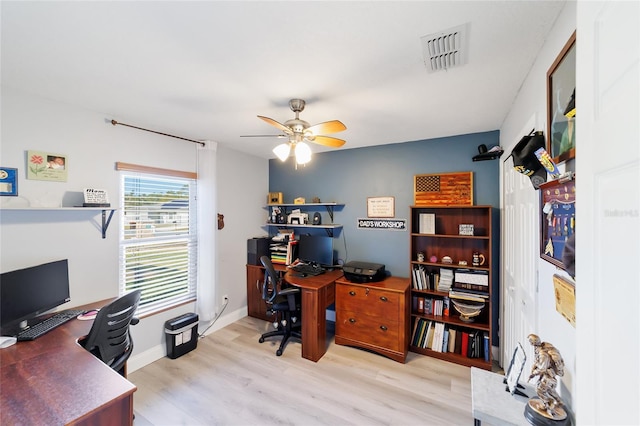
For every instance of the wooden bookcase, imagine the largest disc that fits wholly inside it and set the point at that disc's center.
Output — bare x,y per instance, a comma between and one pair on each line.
444,239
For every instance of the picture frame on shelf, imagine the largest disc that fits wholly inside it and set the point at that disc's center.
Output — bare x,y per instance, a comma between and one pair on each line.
557,218
561,111
8,181
511,379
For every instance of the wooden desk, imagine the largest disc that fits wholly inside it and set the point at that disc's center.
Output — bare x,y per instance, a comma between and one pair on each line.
317,293
53,381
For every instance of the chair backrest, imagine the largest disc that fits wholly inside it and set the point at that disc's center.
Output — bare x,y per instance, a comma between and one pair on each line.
270,285
109,337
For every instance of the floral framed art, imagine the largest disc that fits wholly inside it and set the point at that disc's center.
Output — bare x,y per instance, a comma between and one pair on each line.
47,166
561,107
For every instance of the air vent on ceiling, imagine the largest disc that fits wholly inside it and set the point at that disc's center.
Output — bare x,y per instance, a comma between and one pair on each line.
445,49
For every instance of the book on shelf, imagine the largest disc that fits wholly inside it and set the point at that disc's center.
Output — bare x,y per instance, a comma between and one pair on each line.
472,277
487,349
445,340
474,297
427,223
452,340
430,332
422,336
475,288
464,344
428,306
421,305
446,302
458,345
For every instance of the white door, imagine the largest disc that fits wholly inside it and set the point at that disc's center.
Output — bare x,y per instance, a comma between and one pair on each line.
520,253
608,213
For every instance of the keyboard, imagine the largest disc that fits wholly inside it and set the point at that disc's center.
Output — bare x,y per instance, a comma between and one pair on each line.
48,324
308,269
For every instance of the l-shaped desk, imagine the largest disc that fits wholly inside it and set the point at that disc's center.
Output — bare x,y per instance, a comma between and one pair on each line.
54,381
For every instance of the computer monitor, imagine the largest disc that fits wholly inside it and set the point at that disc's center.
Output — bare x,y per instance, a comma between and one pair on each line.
29,292
316,249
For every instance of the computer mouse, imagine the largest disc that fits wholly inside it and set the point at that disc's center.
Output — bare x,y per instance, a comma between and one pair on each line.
6,341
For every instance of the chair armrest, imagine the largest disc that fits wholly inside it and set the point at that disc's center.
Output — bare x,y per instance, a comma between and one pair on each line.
289,290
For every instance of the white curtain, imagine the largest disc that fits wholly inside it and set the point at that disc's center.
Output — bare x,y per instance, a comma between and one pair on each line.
207,228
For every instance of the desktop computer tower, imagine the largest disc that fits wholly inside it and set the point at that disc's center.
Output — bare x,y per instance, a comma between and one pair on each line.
256,248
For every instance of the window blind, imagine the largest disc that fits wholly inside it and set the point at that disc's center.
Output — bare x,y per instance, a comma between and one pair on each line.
158,239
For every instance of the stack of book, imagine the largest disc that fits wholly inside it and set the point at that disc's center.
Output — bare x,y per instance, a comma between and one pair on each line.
446,279
470,285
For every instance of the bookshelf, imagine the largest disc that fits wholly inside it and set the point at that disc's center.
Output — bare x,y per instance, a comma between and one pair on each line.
436,239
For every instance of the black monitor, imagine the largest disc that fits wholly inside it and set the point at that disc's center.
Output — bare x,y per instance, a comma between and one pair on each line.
29,292
316,249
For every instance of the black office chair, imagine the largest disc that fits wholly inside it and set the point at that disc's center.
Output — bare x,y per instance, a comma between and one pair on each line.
282,302
109,338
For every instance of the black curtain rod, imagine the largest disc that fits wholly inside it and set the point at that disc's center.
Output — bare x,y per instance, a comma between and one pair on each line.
114,122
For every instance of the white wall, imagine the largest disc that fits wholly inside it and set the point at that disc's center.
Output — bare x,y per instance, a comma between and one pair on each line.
531,102
93,146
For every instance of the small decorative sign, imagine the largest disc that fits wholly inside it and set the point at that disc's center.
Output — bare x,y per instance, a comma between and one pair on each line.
392,224
465,229
96,198
46,166
381,207
8,181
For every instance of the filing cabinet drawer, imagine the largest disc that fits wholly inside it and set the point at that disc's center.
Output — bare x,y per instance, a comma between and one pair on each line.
374,302
379,331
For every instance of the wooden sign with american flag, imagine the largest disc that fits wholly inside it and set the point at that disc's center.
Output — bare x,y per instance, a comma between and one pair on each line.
443,189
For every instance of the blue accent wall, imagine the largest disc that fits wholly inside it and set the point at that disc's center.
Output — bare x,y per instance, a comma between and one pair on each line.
351,176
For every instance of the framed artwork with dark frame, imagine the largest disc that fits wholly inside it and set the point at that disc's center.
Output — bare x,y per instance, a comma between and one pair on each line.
557,219
561,107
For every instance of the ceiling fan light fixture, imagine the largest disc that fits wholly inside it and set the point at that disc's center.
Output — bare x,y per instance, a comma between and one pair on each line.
282,151
303,153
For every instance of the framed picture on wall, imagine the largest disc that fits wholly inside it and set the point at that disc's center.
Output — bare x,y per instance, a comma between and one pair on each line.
8,181
557,219
561,106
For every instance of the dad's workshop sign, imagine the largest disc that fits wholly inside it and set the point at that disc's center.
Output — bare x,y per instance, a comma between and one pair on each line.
390,224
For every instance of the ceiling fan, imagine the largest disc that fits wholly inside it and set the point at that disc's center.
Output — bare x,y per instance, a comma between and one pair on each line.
299,131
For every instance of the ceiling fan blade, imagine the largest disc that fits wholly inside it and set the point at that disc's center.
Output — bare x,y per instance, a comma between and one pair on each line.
328,141
276,124
333,126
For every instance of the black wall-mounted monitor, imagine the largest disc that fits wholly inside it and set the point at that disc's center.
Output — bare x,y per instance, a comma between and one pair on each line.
29,292
316,249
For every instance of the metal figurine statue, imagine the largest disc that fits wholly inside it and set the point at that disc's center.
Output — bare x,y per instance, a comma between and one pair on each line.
547,364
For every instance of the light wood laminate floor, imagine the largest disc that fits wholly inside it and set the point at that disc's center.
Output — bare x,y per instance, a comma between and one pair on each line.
231,379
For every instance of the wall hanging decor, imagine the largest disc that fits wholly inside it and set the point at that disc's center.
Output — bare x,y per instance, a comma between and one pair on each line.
557,218
561,106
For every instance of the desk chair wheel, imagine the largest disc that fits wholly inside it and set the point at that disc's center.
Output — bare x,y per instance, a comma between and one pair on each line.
279,352
261,339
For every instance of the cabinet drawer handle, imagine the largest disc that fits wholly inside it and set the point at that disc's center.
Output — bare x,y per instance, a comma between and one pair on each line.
383,327
352,320
352,293
383,298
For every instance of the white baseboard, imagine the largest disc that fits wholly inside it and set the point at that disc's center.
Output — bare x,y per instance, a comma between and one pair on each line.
139,360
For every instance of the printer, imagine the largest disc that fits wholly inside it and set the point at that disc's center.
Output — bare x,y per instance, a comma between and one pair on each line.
363,272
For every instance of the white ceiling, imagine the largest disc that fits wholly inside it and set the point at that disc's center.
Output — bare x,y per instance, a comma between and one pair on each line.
204,70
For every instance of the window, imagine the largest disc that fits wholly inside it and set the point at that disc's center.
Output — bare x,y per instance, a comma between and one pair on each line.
158,237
